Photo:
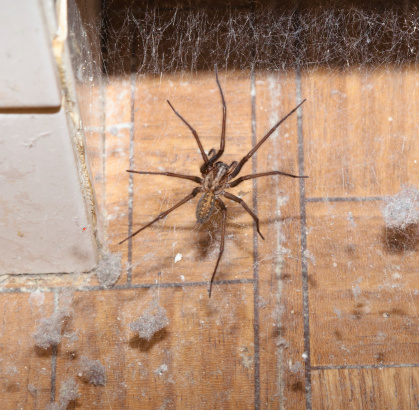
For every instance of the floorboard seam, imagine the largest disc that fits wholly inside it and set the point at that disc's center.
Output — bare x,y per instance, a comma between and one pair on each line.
304,267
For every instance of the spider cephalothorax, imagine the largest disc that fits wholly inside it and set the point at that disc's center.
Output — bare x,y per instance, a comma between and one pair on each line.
217,177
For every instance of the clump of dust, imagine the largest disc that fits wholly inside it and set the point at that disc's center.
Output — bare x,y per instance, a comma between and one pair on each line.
310,257
92,371
402,209
109,269
247,357
150,322
37,299
297,367
162,369
49,330
32,390
69,392
11,370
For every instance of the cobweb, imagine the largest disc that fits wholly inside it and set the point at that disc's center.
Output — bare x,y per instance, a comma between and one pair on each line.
156,40
143,43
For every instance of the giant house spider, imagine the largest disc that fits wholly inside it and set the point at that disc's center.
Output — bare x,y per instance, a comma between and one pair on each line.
216,178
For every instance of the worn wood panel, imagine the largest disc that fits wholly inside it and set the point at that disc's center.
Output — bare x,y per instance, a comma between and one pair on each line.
340,389
164,143
279,268
361,127
202,359
25,372
363,295
117,153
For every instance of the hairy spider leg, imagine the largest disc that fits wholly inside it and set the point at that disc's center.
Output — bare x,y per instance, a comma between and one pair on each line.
246,207
223,231
223,124
168,174
238,181
258,145
201,148
193,194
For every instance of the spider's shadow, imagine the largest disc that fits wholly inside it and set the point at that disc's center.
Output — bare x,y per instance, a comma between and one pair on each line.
204,238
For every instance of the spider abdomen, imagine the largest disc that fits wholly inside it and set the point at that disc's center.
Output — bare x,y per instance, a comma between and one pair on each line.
205,207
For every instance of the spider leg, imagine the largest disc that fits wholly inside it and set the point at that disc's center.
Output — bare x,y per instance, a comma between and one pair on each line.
251,152
232,165
223,126
169,174
193,194
201,148
262,174
210,153
223,230
244,205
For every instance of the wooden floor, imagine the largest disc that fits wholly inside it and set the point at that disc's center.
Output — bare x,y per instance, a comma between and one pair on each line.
322,314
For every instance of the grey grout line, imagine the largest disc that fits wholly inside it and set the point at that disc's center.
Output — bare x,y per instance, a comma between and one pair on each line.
130,286
255,246
53,373
102,131
367,366
131,165
54,357
346,199
304,267
119,126
256,327
276,94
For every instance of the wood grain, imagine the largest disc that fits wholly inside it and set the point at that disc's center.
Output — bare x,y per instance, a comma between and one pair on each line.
202,359
235,350
279,268
363,294
164,143
362,129
25,369
366,389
